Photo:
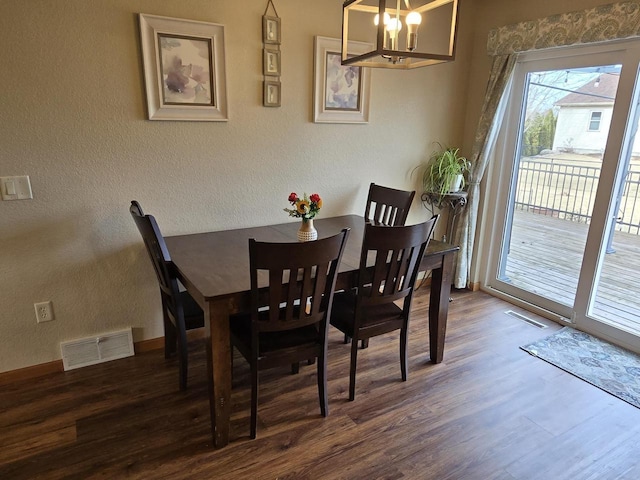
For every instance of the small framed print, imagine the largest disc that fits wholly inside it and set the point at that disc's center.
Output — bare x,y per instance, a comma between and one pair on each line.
271,30
271,93
184,69
271,62
341,92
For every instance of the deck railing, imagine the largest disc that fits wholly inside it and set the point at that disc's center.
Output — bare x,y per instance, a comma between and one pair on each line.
567,190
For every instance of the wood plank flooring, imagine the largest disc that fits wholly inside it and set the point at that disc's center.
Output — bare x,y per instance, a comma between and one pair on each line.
489,411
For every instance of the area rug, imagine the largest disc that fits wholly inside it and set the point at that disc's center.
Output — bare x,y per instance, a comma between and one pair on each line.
609,367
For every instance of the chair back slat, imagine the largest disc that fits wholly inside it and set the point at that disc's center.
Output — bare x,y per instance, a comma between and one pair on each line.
300,275
388,206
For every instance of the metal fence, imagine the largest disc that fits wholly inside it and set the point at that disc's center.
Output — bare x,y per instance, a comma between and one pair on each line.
567,190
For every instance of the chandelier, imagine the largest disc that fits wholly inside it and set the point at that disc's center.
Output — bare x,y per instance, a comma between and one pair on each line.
406,33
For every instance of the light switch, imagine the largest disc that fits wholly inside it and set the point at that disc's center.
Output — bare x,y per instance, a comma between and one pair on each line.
10,187
15,188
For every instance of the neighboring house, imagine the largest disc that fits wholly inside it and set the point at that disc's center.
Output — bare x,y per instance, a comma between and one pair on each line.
584,117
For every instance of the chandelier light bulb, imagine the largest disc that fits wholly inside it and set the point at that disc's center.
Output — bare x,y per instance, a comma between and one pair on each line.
413,20
385,19
393,27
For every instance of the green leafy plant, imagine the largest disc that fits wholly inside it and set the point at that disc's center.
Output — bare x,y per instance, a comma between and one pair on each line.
442,169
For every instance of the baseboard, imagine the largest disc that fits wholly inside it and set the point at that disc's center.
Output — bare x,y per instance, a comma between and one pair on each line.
474,286
158,343
31,372
148,345
56,366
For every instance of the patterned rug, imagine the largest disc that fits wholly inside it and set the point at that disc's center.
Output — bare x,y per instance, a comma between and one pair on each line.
609,367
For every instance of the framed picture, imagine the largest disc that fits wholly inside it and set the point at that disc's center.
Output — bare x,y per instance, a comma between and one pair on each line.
271,30
184,69
341,93
271,93
271,62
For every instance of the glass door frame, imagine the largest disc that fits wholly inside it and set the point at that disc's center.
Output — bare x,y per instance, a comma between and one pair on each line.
496,205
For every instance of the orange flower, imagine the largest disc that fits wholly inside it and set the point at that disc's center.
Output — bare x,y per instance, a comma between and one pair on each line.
302,206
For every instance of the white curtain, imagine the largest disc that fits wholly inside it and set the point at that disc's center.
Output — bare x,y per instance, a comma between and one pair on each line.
490,119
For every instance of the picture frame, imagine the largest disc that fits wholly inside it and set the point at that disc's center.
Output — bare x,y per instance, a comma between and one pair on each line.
271,30
271,62
341,93
184,69
272,93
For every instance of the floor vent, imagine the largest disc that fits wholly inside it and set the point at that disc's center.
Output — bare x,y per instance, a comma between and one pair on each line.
524,318
89,351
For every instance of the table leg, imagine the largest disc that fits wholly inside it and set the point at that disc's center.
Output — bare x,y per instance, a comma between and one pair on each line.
439,306
219,370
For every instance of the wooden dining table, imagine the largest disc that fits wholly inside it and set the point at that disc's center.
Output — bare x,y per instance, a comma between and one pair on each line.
214,268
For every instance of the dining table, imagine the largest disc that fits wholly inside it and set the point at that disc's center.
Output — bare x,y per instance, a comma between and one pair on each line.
214,269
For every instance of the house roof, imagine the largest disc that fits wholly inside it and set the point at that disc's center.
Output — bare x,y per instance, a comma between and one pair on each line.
600,90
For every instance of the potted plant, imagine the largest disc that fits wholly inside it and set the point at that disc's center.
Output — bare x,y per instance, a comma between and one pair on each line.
444,172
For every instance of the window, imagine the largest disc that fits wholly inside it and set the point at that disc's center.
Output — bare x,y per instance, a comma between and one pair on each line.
594,122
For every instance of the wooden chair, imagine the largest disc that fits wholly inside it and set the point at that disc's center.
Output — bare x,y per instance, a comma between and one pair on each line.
370,310
180,312
301,279
388,206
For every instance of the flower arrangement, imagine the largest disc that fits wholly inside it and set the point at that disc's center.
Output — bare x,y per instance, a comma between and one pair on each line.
306,207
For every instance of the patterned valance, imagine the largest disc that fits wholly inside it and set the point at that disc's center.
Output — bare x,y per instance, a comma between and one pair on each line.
605,22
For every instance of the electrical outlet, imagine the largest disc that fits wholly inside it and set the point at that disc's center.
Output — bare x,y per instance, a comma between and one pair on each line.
44,312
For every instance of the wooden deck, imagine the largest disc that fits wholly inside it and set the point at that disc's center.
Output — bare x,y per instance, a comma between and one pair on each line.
546,255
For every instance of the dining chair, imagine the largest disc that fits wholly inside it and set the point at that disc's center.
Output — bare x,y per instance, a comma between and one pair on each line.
388,206
389,265
180,311
294,325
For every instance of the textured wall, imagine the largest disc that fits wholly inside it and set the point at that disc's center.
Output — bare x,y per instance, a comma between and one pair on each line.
73,118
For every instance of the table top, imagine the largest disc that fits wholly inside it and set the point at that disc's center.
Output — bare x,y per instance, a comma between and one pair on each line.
216,264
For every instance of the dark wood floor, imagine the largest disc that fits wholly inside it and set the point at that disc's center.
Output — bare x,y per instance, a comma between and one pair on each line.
489,411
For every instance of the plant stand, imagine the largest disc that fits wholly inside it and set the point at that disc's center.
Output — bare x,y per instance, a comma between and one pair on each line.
454,202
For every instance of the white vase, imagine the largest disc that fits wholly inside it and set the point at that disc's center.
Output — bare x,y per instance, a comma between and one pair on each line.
456,184
307,231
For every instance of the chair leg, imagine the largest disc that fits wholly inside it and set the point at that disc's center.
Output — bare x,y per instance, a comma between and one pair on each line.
254,401
364,343
352,371
322,384
347,339
183,357
295,368
170,338
403,353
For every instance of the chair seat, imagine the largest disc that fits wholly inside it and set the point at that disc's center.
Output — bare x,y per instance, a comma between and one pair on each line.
270,342
344,308
193,317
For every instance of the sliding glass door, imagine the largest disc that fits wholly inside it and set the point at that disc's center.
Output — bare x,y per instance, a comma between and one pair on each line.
565,226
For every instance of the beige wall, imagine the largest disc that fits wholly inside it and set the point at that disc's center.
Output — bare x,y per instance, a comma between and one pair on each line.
73,118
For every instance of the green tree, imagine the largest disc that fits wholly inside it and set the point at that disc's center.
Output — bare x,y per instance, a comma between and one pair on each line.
539,131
